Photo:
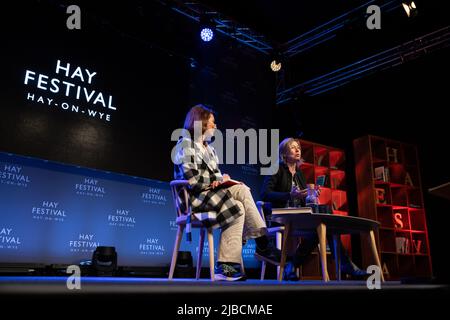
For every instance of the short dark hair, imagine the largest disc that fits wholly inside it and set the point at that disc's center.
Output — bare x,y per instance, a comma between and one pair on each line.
198,112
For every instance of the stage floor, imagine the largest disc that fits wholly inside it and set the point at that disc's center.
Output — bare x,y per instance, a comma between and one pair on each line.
119,285
127,296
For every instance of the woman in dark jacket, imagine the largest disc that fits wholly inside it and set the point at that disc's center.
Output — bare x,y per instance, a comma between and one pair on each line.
287,187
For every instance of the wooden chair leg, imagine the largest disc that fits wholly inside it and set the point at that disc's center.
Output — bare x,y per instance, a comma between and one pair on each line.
211,253
278,244
322,234
200,253
337,255
287,230
373,246
176,248
263,270
242,265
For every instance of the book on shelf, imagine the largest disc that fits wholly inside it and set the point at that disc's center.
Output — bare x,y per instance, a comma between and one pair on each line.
380,195
381,173
320,181
292,210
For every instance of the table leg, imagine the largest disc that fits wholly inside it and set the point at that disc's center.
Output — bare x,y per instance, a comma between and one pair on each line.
322,234
286,235
373,246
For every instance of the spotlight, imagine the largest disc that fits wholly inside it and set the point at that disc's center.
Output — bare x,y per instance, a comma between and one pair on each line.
207,27
276,63
207,34
104,261
410,8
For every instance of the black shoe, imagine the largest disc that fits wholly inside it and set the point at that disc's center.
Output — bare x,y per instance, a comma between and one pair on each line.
352,270
238,268
290,273
227,272
270,254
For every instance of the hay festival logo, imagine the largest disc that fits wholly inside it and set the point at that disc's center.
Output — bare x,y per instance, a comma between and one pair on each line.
69,89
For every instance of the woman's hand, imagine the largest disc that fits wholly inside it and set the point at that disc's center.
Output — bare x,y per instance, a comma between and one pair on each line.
226,177
318,189
296,193
215,184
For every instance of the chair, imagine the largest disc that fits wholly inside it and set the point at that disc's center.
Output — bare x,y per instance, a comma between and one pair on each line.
184,220
178,188
277,231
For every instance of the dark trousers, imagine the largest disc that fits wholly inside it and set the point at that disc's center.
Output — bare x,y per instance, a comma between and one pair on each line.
309,243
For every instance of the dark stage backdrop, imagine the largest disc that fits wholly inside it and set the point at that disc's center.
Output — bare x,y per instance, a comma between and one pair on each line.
96,97
107,97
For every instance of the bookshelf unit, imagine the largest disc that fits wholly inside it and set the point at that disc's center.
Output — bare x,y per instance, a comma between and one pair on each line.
389,191
330,162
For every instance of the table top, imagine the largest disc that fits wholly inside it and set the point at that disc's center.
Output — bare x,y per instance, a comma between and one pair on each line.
335,224
442,191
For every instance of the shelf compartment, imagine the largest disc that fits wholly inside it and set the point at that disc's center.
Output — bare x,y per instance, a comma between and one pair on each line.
307,152
394,152
399,196
414,198
337,179
397,173
383,194
401,219
406,265
419,243
337,160
389,265
422,266
339,200
417,219
403,242
322,171
321,156
387,240
384,216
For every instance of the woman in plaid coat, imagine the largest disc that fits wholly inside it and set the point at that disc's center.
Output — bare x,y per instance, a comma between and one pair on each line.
230,208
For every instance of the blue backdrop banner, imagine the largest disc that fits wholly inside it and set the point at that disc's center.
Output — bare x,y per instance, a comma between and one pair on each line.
54,213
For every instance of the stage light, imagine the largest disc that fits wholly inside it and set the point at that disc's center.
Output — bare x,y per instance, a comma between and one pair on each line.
207,34
275,65
104,261
207,27
410,8
276,62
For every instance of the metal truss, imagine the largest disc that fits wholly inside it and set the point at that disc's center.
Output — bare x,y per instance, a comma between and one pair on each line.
386,59
328,30
224,25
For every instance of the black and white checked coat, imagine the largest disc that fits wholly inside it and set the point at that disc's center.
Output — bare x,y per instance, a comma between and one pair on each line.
199,166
